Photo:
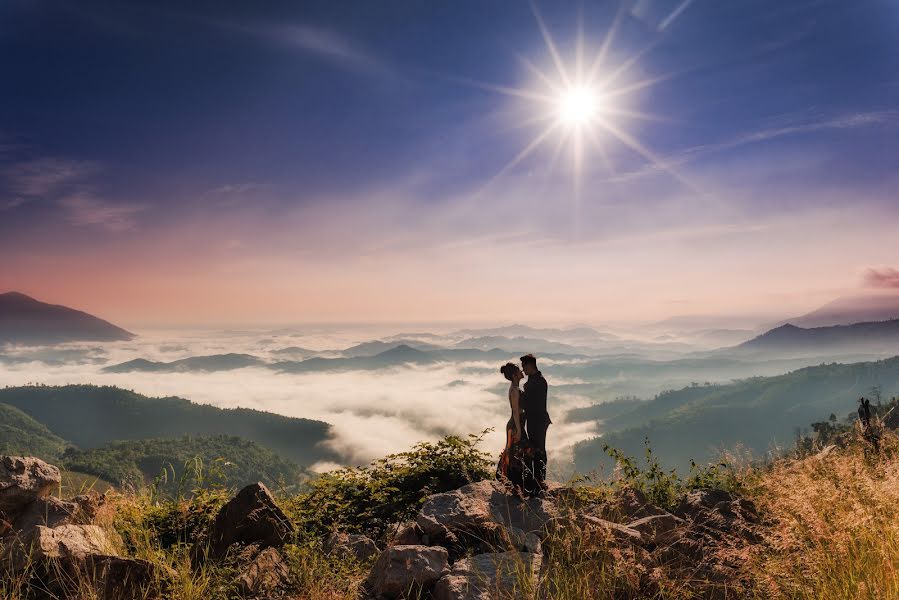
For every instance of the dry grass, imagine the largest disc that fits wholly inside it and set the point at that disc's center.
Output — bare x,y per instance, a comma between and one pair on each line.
833,526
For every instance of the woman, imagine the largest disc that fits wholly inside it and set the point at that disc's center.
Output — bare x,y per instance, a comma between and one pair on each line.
513,428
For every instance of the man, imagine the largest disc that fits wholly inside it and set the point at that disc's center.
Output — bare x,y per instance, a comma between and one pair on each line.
536,418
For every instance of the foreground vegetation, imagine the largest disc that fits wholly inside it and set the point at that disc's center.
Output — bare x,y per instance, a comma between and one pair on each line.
830,524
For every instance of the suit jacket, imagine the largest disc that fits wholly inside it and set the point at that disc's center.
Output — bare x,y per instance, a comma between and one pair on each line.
534,399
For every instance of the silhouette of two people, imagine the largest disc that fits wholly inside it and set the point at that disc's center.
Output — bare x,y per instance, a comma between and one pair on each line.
523,461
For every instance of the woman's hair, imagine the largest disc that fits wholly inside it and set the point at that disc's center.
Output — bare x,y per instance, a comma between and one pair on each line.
509,370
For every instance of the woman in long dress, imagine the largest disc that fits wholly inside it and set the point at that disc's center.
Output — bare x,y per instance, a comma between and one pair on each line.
514,433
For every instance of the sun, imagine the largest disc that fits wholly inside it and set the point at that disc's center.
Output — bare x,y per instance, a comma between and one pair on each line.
585,104
578,105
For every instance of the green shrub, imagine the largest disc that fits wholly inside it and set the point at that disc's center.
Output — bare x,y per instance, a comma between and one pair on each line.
367,499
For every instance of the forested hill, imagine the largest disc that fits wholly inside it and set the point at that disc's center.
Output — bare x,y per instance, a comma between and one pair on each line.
696,422
90,416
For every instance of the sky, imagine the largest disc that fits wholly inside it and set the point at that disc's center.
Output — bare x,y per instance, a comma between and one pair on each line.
276,162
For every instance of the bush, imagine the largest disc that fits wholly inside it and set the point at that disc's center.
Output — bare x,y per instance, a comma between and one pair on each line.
666,488
367,499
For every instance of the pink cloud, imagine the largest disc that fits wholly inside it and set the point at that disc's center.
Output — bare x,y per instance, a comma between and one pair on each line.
882,278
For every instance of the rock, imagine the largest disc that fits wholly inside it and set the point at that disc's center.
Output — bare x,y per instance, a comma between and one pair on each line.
400,570
657,529
24,480
119,578
66,542
407,534
94,508
826,451
613,531
49,512
251,517
490,577
481,506
265,574
346,545
525,541
626,504
697,500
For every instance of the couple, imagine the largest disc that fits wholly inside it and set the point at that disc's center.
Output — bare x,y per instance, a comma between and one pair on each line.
526,429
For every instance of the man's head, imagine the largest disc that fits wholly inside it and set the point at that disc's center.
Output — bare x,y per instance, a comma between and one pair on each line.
529,364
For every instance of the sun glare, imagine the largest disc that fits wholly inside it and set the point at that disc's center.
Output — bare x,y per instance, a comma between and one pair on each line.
585,104
578,105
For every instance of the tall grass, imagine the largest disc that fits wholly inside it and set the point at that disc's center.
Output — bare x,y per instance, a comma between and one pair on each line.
833,530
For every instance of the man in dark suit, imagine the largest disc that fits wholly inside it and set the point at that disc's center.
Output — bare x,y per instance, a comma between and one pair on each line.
536,418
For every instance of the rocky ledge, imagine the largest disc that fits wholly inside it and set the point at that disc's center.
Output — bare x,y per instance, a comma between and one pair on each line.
479,542
482,543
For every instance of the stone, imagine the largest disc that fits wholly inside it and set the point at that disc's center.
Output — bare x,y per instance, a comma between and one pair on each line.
24,480
491,576
481,506
120,578
525,541
613,531
407,534
626,504
402,570
49,512
65,542
345,545
251,517
265,574
657,529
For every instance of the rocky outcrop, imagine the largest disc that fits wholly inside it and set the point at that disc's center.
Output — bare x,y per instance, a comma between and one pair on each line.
24,480
59,544
490,576
495,541
483,508
250,518
402,571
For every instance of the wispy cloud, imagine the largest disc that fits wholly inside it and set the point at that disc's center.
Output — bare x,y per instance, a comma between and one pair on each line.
85,209
329,45
882,278
46,176
842,122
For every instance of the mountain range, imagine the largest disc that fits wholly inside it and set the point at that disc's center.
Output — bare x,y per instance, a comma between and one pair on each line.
879,336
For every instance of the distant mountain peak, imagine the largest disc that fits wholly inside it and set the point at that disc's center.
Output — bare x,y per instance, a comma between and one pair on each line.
25,320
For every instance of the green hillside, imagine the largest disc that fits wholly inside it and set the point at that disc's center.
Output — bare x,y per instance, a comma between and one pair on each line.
91,416
189,462
756,413
21,435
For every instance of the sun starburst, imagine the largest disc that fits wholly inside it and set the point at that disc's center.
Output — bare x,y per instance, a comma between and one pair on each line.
584,106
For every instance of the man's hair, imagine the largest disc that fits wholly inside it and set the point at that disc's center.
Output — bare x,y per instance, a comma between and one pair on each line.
528,359
508,370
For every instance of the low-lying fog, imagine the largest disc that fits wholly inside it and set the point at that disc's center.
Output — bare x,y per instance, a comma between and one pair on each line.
382,410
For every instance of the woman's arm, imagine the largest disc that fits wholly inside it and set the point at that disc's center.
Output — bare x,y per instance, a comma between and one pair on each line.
514,398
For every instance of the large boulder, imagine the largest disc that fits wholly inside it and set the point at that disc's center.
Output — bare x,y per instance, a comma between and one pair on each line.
355,545
482,506
405,570
251,517
491,576
65,542
24,480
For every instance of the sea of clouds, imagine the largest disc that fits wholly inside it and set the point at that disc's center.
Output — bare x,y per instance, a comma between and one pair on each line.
373,413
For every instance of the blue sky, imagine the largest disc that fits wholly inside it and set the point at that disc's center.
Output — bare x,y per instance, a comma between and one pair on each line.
351,160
